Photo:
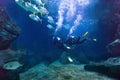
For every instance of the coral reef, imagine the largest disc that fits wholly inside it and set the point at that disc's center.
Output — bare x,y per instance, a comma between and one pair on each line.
110,67
8,29
58,71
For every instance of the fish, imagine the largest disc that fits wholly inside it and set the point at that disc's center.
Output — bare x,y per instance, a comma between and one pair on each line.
70,59
39,2
86,33
9,55
95,40
12,65
28,6
50,26
21,3
67,47
58,38
35,17
32,7
50,19
43,11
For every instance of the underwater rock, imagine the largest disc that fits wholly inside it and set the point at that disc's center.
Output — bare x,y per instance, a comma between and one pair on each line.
110,67
112,61
8,29
114,47
57,71
8,75
8,55
118,30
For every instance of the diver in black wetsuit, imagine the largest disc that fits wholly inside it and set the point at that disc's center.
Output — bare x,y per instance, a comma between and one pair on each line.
58,41
71,40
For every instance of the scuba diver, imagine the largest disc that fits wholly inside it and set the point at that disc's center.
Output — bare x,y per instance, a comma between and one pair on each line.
70,41
58,41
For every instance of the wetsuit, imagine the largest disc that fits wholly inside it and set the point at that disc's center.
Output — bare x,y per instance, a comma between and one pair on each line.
74,40
69,42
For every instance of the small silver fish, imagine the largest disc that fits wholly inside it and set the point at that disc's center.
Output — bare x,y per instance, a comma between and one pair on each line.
50,19
50,26
70,59
86,33
39,2
35,17
43,11
95,40
27,6
67,46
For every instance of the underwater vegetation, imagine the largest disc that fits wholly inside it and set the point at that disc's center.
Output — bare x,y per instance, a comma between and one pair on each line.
59,40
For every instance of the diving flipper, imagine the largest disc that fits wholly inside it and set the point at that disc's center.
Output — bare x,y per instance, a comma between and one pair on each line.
85,34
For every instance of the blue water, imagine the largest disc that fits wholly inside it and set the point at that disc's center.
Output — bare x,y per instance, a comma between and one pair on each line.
37,38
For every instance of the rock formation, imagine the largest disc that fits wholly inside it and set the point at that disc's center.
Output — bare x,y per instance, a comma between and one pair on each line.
110,67
114,46
8,29
57,71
